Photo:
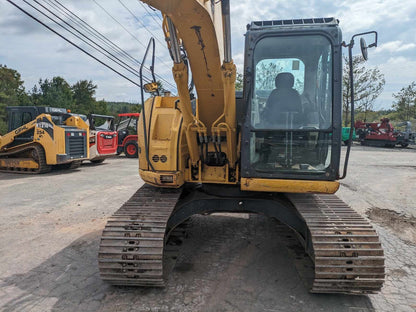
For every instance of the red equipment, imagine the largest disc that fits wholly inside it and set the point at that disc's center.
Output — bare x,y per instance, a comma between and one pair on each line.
127,134
379,134
103,137
105,142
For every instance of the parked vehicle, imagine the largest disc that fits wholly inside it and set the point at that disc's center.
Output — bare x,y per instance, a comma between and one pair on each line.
103,137
127,134
407,132
346,134
41,137
380,134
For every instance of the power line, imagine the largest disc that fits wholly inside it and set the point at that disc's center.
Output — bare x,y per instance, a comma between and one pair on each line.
151,8
95,34
92,31
135,38
114,19
110,56
72,43
141,23
148,13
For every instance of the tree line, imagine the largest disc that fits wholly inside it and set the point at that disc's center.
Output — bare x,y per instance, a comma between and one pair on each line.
55,92
80,97
368,85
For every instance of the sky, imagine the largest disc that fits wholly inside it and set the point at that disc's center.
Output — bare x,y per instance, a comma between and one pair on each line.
36,53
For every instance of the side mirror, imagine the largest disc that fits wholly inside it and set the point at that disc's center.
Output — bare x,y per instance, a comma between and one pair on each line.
364,52
364,48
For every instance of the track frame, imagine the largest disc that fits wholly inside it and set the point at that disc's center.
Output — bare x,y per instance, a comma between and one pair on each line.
344,247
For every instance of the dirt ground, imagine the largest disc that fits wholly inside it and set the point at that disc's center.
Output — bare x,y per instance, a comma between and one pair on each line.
50,227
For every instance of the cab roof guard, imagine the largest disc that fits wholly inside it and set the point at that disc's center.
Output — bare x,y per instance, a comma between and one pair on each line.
290,22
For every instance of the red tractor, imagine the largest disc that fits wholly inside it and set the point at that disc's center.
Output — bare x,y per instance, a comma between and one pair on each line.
379,134
127,134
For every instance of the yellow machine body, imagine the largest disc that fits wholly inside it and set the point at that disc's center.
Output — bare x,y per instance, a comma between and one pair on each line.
271,150
55,141
175,132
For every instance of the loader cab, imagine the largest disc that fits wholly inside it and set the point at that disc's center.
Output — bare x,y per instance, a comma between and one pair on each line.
293,76
20,115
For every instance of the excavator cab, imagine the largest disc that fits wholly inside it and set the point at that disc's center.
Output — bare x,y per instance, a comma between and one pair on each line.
292,126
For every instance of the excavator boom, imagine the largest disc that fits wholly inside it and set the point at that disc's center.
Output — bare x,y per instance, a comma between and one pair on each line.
199,26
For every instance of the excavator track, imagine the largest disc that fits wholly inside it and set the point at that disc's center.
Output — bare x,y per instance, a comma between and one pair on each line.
32,160
133,240
347,251
344,247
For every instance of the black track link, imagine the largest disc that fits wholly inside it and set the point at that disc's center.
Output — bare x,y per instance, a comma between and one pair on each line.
347,251
32,149
133,241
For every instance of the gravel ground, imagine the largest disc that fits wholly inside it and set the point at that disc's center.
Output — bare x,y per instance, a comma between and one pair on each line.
51,224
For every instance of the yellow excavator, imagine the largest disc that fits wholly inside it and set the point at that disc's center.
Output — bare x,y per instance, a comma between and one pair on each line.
41,137
274,149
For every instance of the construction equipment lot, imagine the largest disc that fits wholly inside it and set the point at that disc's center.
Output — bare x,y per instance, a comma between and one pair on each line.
51,225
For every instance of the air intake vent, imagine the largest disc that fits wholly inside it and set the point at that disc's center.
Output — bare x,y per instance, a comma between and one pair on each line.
76,147
76,144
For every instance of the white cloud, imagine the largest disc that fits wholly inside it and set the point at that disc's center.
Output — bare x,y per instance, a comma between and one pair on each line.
399,72
399,69
364,14
395,46
37,53
239,61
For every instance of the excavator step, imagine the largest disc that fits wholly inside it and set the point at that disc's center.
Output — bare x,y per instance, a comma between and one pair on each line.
347,252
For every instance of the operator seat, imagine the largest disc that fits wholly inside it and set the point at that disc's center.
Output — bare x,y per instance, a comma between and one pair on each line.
283,101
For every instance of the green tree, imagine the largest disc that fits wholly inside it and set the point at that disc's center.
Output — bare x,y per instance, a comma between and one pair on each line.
368,84
56,93
84,100
115,108
265,75
239,82
160,86
100,107
12,93
405,103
